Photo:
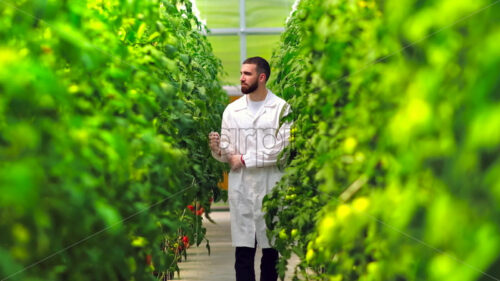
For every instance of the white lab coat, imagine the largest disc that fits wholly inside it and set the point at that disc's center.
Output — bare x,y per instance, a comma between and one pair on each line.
260,139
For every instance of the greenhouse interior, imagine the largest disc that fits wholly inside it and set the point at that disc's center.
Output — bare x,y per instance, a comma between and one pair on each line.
222,140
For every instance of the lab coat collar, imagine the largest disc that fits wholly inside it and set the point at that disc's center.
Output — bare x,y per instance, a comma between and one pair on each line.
270,101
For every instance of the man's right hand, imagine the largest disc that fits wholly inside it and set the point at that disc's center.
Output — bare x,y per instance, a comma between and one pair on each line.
214,142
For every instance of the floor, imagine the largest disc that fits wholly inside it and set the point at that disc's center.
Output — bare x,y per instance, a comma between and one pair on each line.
219,266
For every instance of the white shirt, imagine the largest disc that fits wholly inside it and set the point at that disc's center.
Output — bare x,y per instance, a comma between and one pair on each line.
260,139
254,106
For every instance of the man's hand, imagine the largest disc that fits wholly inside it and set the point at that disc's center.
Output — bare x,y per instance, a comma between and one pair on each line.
214,142
235,162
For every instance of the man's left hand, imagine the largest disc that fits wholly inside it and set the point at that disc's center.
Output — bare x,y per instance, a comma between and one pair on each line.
235,162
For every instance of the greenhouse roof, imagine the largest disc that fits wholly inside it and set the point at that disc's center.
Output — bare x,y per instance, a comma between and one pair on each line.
240,29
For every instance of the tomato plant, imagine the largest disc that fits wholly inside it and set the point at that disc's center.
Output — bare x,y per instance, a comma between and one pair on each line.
105,106
394,164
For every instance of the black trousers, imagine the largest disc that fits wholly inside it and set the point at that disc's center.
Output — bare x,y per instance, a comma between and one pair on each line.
244,264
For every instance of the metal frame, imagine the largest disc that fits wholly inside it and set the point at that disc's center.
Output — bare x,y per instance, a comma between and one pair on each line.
243,31
248,31
243,35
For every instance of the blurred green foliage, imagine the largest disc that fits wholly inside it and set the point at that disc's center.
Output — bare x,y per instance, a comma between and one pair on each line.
394,168
105,106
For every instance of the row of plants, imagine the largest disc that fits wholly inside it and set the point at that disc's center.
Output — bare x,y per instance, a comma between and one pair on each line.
393,172
105,106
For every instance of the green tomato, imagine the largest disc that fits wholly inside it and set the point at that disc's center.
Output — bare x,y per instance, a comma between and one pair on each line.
350,145
372,267
283,235
310,255
139,241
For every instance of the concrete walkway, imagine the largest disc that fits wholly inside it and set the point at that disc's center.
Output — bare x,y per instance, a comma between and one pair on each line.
219,266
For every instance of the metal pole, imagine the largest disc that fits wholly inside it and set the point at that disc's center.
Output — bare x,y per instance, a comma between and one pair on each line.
247,31
243,35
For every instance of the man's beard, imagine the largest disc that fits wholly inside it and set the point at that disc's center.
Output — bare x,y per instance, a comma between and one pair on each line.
251,88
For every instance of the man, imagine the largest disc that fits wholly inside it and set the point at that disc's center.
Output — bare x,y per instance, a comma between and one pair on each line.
251,141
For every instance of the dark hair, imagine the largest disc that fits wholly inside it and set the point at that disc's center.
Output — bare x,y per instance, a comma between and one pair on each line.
262,65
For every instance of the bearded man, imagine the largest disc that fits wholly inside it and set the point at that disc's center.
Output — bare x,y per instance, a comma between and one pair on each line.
251,141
